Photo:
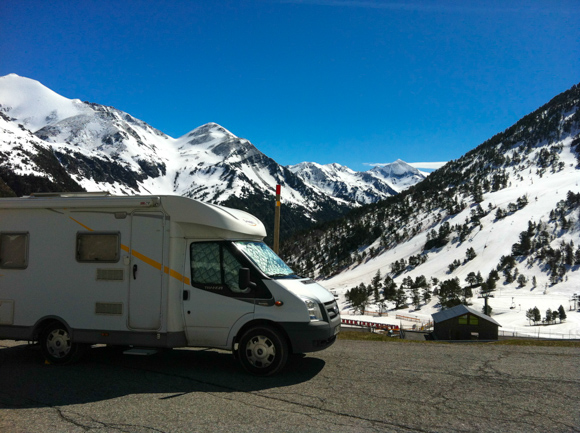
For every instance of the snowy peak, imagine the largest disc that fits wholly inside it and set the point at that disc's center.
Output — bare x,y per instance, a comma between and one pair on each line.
313,169
396,169
317,174
34,105
207,134
214,144
398,174
362,187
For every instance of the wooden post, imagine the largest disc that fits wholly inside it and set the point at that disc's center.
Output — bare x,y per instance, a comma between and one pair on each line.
277,221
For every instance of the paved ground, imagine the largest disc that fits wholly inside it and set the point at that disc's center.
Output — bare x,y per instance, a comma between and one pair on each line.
354,386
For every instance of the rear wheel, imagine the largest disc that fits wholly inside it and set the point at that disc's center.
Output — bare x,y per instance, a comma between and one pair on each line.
56,345
263,351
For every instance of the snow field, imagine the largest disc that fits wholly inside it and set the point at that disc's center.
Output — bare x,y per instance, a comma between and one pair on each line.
494,240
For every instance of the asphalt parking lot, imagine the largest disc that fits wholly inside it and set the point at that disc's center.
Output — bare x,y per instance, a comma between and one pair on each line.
355,386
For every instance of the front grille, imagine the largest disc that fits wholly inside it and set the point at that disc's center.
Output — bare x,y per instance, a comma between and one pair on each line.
331,309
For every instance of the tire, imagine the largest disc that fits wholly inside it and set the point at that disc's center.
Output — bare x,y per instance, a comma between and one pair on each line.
57,347
263,351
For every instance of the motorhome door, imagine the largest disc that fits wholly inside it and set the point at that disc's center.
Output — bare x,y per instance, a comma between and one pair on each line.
214,302
146,270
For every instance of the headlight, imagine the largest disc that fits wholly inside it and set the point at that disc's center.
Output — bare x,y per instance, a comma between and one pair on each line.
313,309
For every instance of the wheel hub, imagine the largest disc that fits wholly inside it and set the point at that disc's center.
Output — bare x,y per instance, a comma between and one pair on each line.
260,351
58,343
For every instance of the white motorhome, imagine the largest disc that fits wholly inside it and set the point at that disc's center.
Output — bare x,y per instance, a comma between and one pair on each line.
156,272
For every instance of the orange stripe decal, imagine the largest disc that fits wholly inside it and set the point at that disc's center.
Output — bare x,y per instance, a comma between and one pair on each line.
157,265
81,224
146,259
177,275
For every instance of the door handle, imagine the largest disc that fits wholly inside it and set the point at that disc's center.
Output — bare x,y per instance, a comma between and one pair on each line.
134,272
186,295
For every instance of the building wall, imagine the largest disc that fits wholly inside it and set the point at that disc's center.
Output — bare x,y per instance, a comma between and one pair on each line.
466,327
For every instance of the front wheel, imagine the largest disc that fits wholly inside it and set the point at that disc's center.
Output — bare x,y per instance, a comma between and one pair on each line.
56,345
263,351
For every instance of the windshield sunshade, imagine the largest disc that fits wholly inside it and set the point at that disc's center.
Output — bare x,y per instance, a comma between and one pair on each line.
265,259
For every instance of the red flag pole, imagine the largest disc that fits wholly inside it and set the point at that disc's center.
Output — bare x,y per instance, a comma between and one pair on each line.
277,221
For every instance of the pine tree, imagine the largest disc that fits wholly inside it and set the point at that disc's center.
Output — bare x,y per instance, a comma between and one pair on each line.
508,276
416,298
530,315
561,313
376,285
450,293
420,282
471,279
358,297
426,295
548,317
389,289
489,285
467,293
470,254
537,315
400,298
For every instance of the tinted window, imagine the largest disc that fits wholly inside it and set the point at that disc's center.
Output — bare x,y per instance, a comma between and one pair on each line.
98,247
13,250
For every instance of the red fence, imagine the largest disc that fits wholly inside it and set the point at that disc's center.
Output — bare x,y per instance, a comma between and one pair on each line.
370,324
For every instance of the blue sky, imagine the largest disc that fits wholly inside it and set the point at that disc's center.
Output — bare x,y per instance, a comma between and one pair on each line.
347,81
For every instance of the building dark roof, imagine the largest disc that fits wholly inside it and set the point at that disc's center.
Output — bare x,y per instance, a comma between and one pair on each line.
459,310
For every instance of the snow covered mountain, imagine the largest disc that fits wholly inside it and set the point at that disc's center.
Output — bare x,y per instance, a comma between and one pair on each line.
99,148
398,174
363,187
505,216
26,164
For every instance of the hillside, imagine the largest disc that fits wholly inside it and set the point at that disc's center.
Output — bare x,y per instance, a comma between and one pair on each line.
506,214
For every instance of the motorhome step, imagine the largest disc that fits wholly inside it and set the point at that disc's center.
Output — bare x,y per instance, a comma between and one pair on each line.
141,351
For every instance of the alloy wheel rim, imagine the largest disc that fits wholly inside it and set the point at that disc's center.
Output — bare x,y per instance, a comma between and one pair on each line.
260,351
58,343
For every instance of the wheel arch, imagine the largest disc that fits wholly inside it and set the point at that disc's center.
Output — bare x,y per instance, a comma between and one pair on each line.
261,322
47,321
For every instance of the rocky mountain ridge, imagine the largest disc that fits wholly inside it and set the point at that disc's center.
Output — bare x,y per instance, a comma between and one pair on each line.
99,148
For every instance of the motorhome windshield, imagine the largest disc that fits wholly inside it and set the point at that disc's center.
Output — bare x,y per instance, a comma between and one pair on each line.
265,259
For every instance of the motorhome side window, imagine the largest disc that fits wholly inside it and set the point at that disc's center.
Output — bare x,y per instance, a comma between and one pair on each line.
214,268
98,247
13,250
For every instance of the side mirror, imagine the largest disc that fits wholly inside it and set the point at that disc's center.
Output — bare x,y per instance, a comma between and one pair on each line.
244,280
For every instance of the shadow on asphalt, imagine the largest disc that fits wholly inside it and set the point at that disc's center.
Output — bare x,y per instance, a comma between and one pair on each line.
106,373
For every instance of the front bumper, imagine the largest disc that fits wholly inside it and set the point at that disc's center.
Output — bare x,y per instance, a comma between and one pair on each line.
312,336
